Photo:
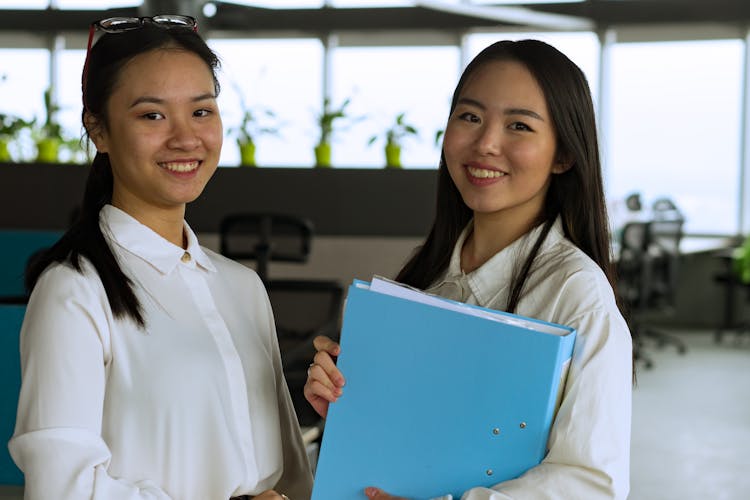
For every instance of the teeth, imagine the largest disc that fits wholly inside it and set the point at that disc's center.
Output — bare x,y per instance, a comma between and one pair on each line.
180,167
483,173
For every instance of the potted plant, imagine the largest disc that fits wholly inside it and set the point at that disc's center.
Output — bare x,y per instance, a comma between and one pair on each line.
741,258
10,128
326,120
48,136
249,129
393,137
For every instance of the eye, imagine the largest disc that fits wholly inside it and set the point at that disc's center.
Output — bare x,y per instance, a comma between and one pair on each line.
469,117
152,116
520,126
201,113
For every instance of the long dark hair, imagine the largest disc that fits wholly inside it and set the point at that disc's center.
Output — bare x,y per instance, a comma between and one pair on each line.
576,195
84,238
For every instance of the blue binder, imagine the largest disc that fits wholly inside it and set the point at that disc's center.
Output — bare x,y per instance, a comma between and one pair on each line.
438,401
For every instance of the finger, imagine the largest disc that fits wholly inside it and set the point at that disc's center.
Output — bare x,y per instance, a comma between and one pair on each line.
324,361
322,387
319,404
317,373
378,494
323,343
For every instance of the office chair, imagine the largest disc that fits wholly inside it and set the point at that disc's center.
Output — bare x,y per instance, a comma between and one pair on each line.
303,308
633,276
666,235
264,237
11,317
648,268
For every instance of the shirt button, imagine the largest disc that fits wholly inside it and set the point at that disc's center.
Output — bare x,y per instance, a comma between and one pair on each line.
185,257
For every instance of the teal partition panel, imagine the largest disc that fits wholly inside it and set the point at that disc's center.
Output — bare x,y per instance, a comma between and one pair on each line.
16,246
11,317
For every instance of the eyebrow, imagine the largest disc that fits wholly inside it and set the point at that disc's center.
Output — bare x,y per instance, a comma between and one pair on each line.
156,100
510,111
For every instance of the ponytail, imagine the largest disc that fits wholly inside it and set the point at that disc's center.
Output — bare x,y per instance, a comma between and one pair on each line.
85,239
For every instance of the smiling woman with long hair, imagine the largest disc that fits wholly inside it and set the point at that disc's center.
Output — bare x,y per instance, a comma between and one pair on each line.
521,226
150,365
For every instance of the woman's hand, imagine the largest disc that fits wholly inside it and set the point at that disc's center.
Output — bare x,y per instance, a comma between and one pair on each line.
270,495
378,494
324,381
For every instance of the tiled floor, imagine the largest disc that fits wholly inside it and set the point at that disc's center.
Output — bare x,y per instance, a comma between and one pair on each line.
691,422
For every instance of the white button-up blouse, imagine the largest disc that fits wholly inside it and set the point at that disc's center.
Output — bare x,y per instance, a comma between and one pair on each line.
589,443
193,407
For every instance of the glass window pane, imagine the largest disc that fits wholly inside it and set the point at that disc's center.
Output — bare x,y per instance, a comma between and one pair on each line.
22,91
674,128
383,82
281,4
69,68
282,76
95,4
24,4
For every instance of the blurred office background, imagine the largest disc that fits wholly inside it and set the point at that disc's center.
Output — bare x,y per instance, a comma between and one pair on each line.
670,84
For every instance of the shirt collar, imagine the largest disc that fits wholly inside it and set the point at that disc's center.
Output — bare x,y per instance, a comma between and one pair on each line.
493,277
140,240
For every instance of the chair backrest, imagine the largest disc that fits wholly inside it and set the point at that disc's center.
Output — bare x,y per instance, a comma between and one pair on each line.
664,251
11,317
265,237
633,264
305,307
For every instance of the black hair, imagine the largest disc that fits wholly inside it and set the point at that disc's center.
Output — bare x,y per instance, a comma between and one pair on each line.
84,238
576,195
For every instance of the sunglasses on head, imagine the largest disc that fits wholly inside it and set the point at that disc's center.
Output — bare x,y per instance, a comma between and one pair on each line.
123,24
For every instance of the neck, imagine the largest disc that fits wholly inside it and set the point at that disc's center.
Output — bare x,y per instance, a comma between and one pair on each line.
169,224
491,234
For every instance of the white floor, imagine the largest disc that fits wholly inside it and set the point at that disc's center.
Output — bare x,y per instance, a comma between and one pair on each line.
691,422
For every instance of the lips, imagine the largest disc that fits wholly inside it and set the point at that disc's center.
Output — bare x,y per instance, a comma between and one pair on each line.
180,166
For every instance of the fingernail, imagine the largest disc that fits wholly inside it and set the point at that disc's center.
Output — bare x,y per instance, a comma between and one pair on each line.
371,492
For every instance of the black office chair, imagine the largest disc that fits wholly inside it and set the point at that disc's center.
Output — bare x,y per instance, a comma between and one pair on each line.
664,250
633,275
303,308
265,237
648,268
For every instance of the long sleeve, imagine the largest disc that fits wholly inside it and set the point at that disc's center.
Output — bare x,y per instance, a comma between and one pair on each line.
589,443
296,479
64,351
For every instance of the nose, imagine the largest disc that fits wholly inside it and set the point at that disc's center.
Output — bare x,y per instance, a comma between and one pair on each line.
183,135
489,138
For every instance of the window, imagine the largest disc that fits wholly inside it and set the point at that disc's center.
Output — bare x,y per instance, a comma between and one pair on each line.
69,69
283,76
22,91
674,128
383,82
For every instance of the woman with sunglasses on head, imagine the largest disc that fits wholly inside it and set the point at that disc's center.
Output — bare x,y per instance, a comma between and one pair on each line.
150,365
521,226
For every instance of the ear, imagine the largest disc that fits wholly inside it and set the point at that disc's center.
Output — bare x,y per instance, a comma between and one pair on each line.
562,164
96,131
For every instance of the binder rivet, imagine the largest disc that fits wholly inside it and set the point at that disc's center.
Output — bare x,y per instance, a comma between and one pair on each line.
496,431
523,425
489,472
